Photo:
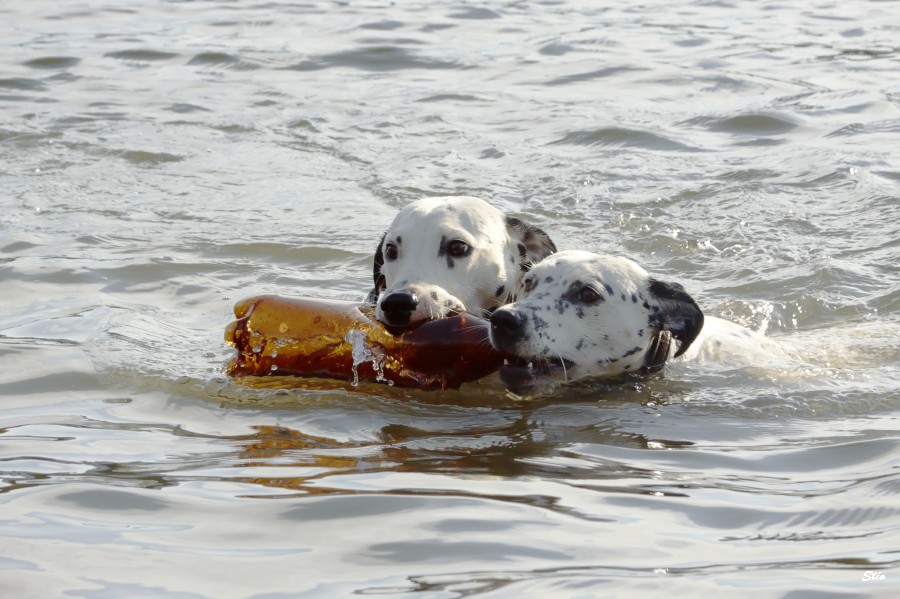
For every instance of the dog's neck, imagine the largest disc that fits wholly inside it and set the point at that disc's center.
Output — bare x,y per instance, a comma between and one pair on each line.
657,353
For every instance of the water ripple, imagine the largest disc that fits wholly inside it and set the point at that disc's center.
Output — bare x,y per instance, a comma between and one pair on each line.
753,124
592,75
375,59
53,62
142,55
624,138
224,60
23,84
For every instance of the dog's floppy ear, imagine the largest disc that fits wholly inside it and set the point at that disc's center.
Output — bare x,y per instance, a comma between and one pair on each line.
536,242
377,277
677,313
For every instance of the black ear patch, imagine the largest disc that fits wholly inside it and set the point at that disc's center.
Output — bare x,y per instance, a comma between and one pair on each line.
536,242
676,312
377,277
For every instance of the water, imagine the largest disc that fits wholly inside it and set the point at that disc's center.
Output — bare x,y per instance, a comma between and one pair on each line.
161,160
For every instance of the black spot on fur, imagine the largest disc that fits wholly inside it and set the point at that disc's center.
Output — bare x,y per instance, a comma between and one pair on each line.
609,289
500,290
434,295
548,279
561,305
623,297
631,351
655,320
442,252
399,240
634,298
377,277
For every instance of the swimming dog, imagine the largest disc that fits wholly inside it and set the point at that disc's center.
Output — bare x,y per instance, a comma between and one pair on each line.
587,315
451,254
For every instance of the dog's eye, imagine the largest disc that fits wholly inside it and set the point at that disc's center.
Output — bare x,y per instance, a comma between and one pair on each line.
457,248
390,251
529,284
588,295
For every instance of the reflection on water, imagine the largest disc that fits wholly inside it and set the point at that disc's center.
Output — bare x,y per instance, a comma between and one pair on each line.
161,161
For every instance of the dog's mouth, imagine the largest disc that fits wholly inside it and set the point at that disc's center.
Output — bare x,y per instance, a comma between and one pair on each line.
407,315
521,375
398,329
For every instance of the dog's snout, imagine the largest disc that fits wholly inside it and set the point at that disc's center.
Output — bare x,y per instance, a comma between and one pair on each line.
398,307
507,326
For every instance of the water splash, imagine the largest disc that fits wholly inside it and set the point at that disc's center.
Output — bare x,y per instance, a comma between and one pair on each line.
361,353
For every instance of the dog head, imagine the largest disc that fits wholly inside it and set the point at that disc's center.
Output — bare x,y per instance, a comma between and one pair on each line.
451,254
582,314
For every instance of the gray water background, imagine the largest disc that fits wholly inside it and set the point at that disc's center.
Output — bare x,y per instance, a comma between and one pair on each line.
160,160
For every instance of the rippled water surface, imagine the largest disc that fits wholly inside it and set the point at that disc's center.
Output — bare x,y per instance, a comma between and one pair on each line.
161,160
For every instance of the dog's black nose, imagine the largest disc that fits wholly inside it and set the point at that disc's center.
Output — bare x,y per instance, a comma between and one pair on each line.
507,326
398,307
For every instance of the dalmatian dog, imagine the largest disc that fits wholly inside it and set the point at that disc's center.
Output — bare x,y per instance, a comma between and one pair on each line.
587,315
452,254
